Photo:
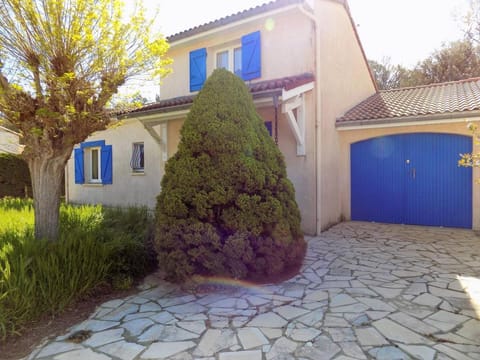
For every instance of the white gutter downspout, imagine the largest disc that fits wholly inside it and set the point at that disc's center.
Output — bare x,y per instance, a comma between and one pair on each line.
318,128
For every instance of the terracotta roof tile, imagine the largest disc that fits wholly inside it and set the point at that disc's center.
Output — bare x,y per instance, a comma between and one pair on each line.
286,83
434,99
272,5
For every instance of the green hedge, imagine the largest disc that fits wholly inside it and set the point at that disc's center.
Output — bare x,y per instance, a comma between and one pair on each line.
14,176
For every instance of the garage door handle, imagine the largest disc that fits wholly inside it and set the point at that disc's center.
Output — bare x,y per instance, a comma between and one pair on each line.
414,173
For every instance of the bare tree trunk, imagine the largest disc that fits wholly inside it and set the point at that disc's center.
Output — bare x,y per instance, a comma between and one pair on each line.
46,174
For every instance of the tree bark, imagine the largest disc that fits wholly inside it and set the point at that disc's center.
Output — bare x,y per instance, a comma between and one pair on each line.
46,175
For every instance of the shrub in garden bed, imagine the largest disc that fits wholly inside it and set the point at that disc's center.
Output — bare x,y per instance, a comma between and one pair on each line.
96,245
14,176
226,206
130,240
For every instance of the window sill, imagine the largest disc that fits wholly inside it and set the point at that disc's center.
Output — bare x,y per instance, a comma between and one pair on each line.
93,184
138,173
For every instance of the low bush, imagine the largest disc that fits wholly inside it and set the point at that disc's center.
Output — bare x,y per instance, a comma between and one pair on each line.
14,176
130,240
96,245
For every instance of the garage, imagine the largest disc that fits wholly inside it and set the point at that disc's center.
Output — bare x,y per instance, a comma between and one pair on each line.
412,179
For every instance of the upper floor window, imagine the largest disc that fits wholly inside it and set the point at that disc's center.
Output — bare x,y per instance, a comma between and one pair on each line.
230,59
222,59
245,61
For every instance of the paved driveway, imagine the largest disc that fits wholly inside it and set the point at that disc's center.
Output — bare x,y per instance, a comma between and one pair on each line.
366,291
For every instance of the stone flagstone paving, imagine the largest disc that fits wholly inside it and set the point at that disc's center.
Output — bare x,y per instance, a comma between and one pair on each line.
366,291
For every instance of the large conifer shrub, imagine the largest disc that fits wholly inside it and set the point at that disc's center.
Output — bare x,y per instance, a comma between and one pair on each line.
226,207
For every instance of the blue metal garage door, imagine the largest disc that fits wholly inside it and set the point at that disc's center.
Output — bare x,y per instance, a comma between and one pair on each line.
412,179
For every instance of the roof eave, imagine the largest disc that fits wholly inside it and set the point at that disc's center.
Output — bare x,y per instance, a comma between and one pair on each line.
458,116
165,109
3,128
194,34
175,108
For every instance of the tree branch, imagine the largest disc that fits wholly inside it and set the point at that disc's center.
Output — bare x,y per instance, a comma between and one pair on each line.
3,80
37,82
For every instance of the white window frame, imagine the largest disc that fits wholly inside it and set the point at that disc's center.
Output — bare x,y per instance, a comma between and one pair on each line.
90,152
138,170
231,57
228,56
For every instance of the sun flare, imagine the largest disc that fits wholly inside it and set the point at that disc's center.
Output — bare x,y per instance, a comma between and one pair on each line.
471,286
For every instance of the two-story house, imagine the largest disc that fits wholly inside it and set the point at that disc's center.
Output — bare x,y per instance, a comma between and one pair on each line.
352,152
304,65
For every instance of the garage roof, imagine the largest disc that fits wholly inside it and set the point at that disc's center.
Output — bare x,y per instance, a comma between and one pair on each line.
442,100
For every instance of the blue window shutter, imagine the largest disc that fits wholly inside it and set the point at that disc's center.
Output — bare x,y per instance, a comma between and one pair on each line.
198,68
251,56
106,164
79,173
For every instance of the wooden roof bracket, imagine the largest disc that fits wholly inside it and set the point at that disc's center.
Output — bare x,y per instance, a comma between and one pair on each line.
160,138
294,108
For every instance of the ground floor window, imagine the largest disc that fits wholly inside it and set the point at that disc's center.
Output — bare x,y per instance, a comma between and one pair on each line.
137,162
92,159
93,163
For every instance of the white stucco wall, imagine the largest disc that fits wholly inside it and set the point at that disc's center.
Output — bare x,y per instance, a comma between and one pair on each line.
127,188
286,43
300,169
345,81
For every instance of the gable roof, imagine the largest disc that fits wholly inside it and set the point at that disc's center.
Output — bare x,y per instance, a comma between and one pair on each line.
259,89
436,101
257,10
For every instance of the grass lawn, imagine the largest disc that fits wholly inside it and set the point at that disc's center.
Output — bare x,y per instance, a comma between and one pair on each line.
97,247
